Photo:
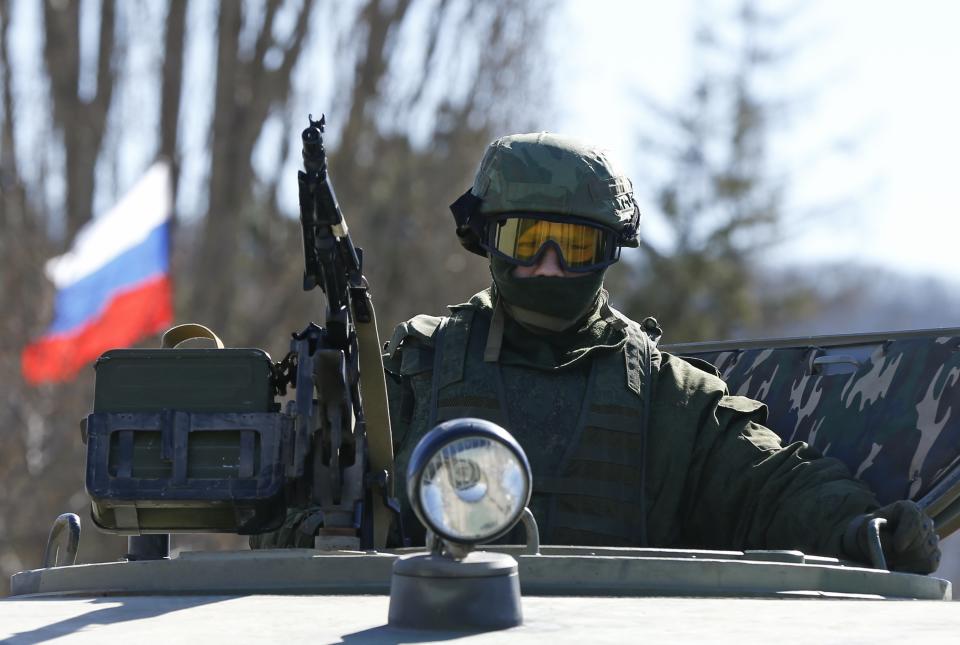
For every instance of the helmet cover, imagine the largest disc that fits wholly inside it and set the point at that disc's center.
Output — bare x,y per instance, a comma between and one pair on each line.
550,173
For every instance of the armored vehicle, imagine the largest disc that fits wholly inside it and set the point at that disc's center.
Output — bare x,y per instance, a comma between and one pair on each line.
882,403
188,440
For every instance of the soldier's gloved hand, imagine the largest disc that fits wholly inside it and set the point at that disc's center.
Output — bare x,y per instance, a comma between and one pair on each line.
908,538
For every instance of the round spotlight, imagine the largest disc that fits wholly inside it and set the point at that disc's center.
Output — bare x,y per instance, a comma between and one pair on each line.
468,481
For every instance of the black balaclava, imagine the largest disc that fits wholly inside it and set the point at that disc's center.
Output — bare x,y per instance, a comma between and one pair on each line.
547,303
557,323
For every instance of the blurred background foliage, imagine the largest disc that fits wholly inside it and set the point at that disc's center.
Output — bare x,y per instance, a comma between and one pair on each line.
413,91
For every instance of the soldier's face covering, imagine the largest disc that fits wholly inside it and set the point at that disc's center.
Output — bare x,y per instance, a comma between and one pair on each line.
549,303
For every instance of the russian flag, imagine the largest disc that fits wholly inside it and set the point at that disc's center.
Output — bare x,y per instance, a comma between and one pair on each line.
113,286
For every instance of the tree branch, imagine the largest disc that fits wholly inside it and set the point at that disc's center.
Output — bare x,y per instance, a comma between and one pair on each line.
171,86
430,54
265,37
61,51
372,64
8,150
105,60
292,52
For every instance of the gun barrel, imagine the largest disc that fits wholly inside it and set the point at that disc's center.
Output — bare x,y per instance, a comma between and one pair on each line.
314,156
320,212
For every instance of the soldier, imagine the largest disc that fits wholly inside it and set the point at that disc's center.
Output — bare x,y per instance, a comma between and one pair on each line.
629,445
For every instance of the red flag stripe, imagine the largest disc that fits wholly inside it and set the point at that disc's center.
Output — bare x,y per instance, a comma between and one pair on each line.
144,310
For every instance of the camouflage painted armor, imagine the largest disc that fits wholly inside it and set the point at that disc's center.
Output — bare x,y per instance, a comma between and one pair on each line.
704,473
884,404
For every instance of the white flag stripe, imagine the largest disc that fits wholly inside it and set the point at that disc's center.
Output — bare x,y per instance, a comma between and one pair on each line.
129,222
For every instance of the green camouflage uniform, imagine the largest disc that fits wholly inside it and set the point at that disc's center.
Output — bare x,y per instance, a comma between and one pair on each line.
700,471
628,445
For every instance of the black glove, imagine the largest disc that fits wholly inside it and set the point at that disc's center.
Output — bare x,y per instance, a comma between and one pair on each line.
908,538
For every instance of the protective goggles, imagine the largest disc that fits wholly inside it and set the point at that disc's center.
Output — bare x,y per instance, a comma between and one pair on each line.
522,240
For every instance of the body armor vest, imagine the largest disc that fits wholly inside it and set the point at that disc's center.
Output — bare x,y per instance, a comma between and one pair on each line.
594,494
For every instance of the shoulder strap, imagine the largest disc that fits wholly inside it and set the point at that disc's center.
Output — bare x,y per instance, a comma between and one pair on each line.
455,339
636,356
450,341
437,365
491,352
650,327
640,364
376,408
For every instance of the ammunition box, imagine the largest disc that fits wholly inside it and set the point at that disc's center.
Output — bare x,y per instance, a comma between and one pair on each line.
186,440
191,380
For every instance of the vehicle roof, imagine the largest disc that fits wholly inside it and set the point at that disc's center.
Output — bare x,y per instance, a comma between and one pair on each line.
552,570
362,619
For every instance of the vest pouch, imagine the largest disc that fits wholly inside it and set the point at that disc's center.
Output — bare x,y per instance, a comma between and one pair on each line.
186,440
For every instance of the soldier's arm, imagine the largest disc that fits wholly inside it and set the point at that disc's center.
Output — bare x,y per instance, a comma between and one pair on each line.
408,355
753,493
743,489
408,363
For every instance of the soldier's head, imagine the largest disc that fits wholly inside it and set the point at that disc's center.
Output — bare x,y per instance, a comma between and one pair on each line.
547,200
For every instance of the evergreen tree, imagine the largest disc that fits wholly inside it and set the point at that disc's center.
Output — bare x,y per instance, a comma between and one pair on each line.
720,204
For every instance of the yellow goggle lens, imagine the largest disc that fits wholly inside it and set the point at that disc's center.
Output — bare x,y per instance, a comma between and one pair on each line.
522,238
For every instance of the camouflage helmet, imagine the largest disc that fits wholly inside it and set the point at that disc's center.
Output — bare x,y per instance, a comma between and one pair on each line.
546,173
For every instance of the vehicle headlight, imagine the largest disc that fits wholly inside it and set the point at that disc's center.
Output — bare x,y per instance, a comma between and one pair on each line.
468,481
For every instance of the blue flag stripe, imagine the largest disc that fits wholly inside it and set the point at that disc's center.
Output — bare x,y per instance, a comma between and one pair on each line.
81,301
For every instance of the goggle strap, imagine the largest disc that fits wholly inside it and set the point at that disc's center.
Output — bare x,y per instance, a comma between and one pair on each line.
465,209
470,229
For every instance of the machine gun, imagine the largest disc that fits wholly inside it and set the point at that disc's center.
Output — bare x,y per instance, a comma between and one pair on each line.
194,440
351,469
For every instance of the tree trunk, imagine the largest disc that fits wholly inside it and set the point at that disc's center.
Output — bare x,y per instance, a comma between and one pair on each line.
229,174
82,122
246,91
172,83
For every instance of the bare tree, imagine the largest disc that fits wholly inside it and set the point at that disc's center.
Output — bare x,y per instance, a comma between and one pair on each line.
81,121
172,83
247,90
